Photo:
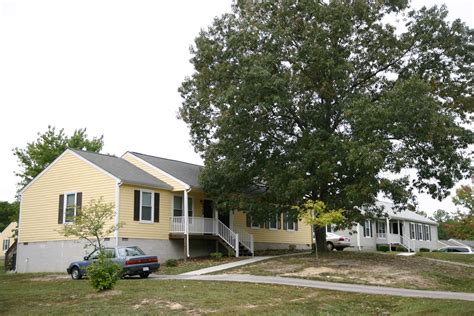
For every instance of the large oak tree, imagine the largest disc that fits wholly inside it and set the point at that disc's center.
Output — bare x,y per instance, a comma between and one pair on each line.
297,100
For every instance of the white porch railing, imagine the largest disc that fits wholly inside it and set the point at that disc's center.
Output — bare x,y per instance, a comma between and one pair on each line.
202,225
407,243
245,238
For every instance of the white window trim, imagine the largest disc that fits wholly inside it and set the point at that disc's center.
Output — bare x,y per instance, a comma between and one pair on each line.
7,243
370,229
428,230
420,232
152,207
276,224
252,224
65,206
381,226
412,229
182,205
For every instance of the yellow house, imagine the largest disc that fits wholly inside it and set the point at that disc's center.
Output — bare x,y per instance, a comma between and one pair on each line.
150,195
6,236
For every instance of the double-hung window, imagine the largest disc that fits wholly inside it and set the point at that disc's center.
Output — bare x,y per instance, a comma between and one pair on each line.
178,206
254,223
428,233
367,229
381,232
6,244
420,232
412,231
290,222
273,223
146,206
70,207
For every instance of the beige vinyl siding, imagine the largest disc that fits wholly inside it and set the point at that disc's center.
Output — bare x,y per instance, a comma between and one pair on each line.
137,229
177,186
40,201
265,235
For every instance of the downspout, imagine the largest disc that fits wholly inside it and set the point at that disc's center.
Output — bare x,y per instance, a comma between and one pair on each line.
186,217
117,211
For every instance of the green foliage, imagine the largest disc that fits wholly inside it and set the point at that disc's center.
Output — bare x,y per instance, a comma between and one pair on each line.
171,263
37,155
327,101
316,213
103,273
400,249
424,250
216,255
465,198
291,247
92,223
383,248
8,213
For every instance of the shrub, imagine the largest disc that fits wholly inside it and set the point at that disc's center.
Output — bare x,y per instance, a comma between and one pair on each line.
171,263
424,250
103,273
400,249
216,255
384,248
292,247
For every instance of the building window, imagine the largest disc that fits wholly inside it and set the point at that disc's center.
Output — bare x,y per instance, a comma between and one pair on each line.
290,222
273,223
428,233
254,224
381,232
70,207
367,229
178,206
412,231
6,244
420,232
146,206
394,228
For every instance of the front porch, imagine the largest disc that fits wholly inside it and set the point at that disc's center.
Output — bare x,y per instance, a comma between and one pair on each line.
211,228
393,233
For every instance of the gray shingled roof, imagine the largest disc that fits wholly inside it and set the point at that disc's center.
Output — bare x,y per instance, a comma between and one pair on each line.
122,169
404,214
186,172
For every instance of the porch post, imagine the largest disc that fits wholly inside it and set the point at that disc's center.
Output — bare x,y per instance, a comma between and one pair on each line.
237,245
216,218
388,235
186,220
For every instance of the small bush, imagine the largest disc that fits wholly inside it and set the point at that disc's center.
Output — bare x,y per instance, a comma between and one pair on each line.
216,255
171,263
292,247
424,250
400,249
103,273
383,248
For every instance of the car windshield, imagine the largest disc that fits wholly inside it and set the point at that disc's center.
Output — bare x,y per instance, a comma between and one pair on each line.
130,252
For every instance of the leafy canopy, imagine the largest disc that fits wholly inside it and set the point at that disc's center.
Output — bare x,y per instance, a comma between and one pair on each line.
37,155
93,223
8,213
305,100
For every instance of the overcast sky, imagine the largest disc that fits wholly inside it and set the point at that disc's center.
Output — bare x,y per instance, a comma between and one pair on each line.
113,67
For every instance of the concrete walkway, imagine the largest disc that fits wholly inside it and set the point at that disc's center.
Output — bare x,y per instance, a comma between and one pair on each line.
230,265
355,288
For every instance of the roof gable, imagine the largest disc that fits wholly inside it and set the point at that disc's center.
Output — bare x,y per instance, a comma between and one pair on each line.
185,172
122,169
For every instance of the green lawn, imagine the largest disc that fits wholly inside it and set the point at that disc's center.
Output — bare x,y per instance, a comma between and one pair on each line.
195,264
57,295
369,268
468,259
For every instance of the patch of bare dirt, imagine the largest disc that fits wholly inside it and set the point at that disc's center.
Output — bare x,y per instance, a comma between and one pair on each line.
50,277
104,294
170,305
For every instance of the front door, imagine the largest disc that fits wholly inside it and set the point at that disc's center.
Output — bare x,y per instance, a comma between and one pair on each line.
224,218
208,209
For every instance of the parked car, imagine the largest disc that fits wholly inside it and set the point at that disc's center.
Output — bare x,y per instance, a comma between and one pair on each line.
334,241
132,260
456,249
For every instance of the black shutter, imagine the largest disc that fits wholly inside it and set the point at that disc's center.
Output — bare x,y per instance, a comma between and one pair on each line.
248,221
296,224
61,209
136,206
370,225
279,221
363,227
157,208
78,203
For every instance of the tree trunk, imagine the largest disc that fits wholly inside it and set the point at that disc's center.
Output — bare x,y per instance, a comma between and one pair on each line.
320,235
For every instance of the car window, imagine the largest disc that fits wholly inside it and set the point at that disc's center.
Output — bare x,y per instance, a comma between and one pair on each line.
109,253
130,252
460,249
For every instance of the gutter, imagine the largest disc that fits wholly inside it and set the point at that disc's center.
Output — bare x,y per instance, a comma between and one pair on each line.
117,211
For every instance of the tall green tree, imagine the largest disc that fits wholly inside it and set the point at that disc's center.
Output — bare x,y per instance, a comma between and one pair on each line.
37,155
462,225
8,213
301,100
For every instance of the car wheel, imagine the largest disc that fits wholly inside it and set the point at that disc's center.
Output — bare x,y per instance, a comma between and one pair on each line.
144,275
76,273
330,246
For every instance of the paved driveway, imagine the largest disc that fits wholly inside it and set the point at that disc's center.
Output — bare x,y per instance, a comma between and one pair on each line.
355,288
